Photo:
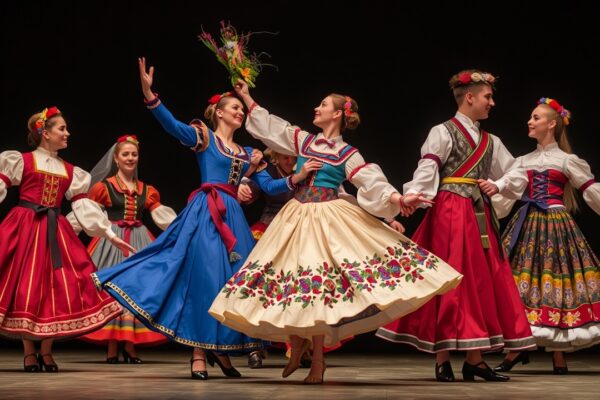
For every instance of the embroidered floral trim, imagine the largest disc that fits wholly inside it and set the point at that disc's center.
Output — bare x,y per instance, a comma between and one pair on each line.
62,328
327,284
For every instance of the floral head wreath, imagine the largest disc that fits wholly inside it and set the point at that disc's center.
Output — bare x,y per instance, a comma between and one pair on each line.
45,115
467,78
555,105
129,138
217,97
348,106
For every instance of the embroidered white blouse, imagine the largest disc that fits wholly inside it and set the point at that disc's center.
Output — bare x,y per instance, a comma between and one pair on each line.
374,190
552,157
88,213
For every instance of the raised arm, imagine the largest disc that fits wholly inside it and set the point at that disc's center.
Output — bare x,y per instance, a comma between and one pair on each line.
189,135
273,131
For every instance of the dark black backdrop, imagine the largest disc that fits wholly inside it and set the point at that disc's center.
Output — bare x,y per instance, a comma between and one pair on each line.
394,58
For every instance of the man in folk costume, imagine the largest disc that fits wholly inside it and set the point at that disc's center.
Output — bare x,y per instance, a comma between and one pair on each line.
462,166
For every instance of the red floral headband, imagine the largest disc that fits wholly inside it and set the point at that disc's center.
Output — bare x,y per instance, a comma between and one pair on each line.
348,106
217,97
555,105
45,115
129,138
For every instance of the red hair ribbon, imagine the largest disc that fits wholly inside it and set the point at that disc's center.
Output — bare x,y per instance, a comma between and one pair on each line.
129,138
217,97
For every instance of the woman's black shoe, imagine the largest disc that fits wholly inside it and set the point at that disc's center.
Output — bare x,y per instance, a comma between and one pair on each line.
254,360
471,371
559,370
128,359
48,367
443,372
202,375
212,358
507,365
31,367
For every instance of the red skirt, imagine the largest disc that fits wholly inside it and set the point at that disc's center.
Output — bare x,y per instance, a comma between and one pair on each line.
38,301
485,311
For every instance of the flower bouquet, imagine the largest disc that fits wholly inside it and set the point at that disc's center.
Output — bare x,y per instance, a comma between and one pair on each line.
234,54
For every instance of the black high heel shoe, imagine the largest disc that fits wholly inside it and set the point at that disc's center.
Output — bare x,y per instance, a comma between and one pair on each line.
31,367
443,372
559,370
113,359
201,375
128,359
48,367
471,371
507,365
212,358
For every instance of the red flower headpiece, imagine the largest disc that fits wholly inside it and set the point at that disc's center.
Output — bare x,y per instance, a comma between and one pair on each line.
348,106
129,138
45,115
555,105
217,97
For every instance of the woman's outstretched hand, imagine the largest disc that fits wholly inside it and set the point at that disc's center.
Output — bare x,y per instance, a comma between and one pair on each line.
122,245
408,203
307,168
146,79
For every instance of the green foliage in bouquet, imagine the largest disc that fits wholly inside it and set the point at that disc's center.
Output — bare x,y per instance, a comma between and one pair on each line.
233,54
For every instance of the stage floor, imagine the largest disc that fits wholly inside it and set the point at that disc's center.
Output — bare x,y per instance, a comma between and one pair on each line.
165,375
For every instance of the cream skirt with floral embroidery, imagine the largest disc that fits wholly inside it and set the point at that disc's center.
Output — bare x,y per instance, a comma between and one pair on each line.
329,269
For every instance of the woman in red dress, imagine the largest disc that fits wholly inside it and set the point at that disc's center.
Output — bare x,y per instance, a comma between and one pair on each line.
45,287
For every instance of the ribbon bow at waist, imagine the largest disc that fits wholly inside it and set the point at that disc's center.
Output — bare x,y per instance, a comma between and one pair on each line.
541,204
128,226
478,204
52,213
217,210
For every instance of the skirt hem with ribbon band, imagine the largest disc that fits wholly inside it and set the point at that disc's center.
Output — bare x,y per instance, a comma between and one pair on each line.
40,299
485,311
557,275
326,267
124,328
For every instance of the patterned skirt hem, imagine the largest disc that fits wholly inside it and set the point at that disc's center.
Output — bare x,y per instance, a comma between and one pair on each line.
485,343
147,319
366,320
31,329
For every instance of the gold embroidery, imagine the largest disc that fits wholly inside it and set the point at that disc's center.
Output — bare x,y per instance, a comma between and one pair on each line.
235,171
170,332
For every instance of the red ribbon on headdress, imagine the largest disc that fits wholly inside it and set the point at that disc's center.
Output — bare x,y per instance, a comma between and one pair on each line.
128,138
52,111
217,97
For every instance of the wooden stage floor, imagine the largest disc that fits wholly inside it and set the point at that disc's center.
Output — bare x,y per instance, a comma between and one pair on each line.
165,375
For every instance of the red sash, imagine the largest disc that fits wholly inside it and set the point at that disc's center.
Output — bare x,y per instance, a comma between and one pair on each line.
479,150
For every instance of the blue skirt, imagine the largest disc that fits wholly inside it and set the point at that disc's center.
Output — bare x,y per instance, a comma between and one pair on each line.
171,284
